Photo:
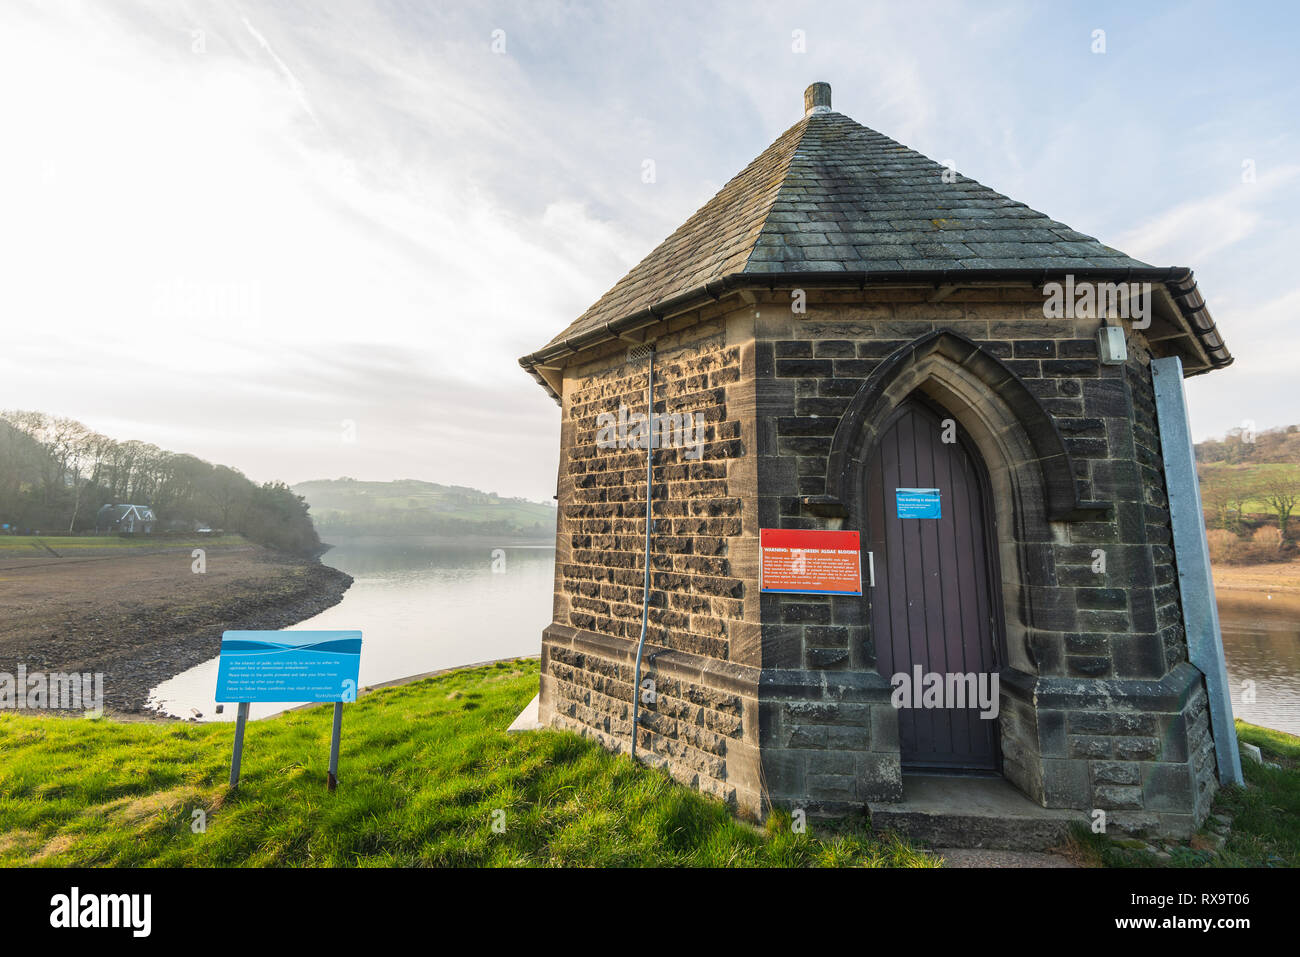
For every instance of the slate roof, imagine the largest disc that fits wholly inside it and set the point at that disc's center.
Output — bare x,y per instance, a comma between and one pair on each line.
831,195
854,199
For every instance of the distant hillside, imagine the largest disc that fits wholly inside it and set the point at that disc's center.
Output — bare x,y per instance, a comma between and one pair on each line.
411,507
1244,445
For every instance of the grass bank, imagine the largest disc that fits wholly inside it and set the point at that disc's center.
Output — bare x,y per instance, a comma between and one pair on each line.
429,777
426,772
1254,826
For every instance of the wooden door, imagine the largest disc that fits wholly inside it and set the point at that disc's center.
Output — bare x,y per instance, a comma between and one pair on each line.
933,602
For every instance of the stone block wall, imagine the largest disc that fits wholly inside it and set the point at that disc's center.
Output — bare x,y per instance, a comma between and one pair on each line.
1107,634
701,722
701,726
694,591
775,700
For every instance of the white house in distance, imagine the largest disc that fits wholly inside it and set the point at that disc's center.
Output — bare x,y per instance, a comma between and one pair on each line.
128,519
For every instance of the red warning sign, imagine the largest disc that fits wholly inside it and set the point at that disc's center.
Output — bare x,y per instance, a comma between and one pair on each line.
810,562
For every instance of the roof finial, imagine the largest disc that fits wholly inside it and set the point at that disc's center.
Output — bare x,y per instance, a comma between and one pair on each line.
817,99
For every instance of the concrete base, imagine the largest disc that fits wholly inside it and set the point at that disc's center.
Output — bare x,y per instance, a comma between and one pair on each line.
964,812
527,720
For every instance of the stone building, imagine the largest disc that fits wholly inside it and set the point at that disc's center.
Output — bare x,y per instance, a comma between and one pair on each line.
845,318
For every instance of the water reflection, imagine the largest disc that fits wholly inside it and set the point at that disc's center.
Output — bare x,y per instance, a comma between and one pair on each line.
421,605
1261,644
424,605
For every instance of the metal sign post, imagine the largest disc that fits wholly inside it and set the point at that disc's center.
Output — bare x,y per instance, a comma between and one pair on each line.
281,666
333,780
241,719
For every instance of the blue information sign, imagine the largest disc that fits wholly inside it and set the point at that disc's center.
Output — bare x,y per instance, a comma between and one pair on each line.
918,503
283,666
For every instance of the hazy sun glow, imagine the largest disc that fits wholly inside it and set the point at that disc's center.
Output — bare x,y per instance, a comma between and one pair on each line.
226,228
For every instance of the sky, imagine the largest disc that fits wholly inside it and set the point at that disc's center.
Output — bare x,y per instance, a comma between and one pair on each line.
310,240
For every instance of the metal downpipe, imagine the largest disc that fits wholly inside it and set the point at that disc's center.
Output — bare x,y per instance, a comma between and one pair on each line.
649,490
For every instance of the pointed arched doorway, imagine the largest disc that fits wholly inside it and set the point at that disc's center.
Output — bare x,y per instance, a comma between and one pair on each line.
936,603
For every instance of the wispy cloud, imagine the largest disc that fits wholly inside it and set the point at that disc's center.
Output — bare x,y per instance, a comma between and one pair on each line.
299,91
1195,230
402,211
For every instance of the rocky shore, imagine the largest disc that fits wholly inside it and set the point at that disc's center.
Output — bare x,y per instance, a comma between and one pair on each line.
141,619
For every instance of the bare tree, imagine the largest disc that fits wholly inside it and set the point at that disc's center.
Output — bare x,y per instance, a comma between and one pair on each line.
1242,487
1280,490
79,452
1217,496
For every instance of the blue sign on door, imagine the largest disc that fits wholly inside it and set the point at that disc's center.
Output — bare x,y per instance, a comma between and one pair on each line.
285,666
918,503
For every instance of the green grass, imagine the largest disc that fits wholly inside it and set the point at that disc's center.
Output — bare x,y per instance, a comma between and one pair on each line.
64,544
1248,473
425,771
1266,815
1265,830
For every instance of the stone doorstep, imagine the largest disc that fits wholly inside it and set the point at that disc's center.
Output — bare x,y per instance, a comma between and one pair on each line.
988,857
966,812
528,718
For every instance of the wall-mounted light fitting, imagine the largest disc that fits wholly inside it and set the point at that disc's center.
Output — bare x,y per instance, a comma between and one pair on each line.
1111,346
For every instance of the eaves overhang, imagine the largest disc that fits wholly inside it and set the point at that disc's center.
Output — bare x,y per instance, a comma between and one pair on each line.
1177,281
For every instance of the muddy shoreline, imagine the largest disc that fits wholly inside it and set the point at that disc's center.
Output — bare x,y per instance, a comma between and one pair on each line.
141,619
1269,577
1272,587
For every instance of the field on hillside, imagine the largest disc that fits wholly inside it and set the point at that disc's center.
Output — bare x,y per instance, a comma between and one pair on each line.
1250,476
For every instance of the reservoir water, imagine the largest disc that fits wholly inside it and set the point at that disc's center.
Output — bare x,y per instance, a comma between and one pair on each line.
421,605
1261,646
425,605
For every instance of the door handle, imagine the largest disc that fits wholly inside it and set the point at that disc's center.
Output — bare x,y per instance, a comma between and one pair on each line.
871,569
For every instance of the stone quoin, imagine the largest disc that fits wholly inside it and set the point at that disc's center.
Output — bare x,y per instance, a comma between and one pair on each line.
848,318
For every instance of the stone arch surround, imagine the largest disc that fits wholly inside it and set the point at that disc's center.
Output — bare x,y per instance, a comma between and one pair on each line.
1032,489
1030,471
